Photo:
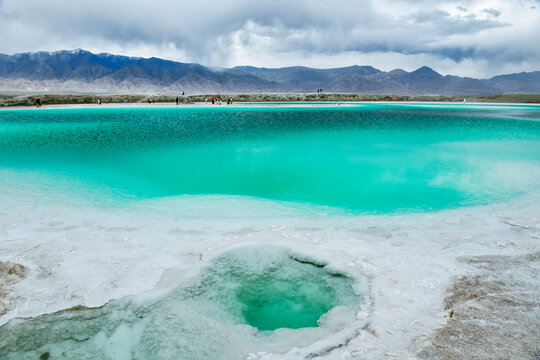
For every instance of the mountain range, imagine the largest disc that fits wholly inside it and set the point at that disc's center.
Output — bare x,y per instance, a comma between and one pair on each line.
80,71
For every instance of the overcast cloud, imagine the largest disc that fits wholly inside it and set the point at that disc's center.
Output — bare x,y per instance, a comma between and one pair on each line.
467,38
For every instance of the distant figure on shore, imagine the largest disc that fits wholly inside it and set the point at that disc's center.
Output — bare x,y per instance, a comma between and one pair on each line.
99,101
149,100
125,101
206,101
38,102
213,101
177,100
230,101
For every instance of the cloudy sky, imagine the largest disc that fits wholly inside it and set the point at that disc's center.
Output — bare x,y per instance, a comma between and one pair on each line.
468,38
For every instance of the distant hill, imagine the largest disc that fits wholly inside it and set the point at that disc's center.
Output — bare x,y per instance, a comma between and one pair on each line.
525,82
80,71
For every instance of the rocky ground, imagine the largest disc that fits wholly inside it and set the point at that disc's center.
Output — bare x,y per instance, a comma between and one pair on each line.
494,314
9,275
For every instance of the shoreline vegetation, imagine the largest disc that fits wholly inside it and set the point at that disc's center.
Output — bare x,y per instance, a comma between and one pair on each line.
57,99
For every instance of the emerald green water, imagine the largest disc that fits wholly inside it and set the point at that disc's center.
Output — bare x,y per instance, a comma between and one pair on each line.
372,158
265,287
279,303
269,289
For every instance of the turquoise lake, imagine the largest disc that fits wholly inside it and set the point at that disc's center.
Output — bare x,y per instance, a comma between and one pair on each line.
365,158
258,232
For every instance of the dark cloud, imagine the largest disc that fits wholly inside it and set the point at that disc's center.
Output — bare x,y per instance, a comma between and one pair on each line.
445,24
492,12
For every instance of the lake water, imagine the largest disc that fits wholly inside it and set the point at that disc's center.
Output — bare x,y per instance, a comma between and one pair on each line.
371,158
246,231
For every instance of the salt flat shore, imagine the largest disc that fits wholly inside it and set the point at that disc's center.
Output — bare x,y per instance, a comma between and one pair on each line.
456,284
251,105
62,99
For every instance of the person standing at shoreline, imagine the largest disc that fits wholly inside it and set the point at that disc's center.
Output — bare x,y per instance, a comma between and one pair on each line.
177,100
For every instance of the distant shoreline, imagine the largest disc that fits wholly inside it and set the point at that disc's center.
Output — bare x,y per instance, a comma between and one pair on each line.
57,99
250,105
